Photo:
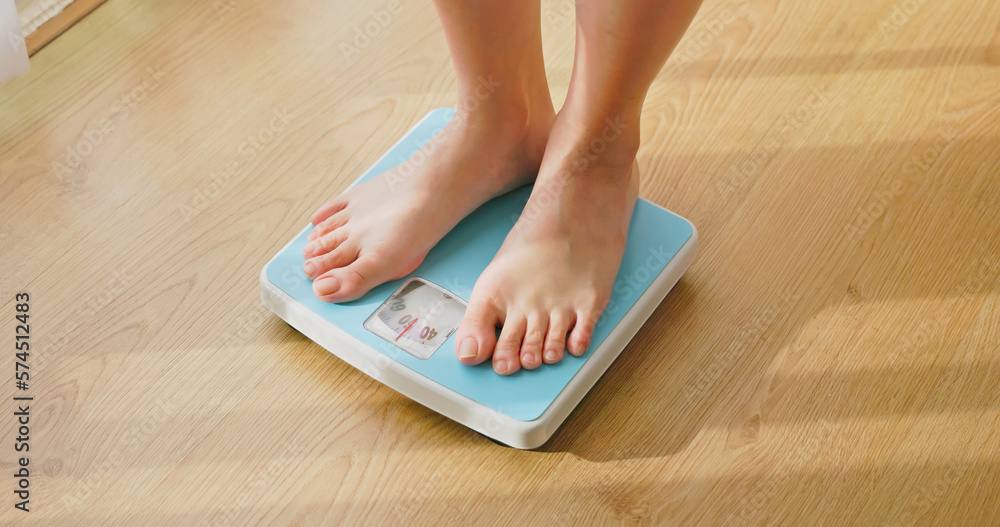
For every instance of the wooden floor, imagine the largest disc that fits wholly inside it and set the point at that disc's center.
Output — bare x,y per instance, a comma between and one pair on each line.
59,23
830,358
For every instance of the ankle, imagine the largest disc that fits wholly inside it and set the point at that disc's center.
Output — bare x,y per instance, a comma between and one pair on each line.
505,109
594,141
510,127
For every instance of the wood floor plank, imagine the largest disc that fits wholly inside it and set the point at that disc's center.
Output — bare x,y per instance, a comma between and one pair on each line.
830,358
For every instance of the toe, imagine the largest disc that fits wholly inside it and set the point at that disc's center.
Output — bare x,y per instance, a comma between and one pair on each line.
329,225
555,340
477,335
352,281
325,243
534,337
506,358
328,209
345,254
579,338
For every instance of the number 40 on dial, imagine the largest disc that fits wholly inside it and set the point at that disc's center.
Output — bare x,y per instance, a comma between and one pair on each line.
418,317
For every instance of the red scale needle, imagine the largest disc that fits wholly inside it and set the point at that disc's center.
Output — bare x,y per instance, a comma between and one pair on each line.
407,329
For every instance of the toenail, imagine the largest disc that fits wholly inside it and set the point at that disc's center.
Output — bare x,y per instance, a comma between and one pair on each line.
309,268
501,367
328,285
468,349
551,355
308,250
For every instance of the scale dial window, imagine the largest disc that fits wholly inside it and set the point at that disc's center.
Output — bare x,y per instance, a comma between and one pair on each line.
418,317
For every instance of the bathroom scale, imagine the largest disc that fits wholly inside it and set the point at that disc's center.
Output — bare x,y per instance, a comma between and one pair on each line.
402,332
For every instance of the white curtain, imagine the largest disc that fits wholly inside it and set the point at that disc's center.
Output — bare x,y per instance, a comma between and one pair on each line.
13,53
34,13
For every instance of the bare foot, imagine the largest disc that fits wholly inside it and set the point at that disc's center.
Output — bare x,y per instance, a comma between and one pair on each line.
382,229
552,277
